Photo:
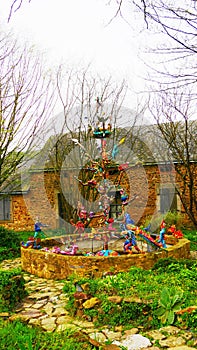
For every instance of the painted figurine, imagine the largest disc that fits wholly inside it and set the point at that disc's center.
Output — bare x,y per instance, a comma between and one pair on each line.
38,231
32,243
79,226
110,227
126,221
29,243
131,242
162,234
72,251
176,233
81,211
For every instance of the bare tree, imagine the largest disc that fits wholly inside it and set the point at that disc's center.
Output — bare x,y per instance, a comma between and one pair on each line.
175,116
178,21
173,43
88,101
174,27
26,99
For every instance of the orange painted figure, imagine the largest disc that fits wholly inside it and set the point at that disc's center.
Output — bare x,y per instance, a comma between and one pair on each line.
79,226
176,233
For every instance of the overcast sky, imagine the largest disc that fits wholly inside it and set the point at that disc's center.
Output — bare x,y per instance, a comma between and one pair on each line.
78,32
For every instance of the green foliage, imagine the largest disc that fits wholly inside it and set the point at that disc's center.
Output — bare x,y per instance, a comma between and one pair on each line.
113,314
12,289
169,303
142,289
68,287
191,235
8,238
130,313
10,244
188,320
9,253
70,305
24,235
18,336
173,265
171,218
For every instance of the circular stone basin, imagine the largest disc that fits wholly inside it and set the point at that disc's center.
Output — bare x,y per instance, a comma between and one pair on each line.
50,265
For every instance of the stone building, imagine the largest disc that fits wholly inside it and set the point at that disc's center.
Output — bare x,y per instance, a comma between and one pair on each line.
50,192
151,186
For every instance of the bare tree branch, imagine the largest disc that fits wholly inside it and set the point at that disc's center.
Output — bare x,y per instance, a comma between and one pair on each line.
26,98
174,113
18,3
88,99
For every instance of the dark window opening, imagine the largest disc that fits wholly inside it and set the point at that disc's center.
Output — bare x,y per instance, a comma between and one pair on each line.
65,211
116,205
165,168
168,200
113,171
5,209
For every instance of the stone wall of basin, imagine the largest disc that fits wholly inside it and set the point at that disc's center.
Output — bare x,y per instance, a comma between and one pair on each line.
56,266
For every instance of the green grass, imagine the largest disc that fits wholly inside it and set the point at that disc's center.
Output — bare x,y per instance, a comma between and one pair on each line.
192,236
19,336
136,284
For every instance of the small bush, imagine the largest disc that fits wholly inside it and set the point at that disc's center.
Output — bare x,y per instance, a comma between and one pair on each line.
169,303
8,253
9,238
10,244
166,264
171,218
191,236
12,289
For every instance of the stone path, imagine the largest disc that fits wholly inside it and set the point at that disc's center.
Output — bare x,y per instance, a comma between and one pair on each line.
44,307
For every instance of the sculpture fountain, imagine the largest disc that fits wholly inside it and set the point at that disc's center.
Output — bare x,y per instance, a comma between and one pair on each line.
109,243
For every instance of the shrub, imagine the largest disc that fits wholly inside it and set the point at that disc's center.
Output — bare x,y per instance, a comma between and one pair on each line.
12,289
171,218
9,238
169,264
10,244
8,253
191,236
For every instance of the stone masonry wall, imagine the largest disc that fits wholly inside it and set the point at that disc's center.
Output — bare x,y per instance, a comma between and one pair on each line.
21,219
57,266
42,198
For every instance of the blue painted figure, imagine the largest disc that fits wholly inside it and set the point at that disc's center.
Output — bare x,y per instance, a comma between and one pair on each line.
31,243
38,231
126,221
131,242
162,234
